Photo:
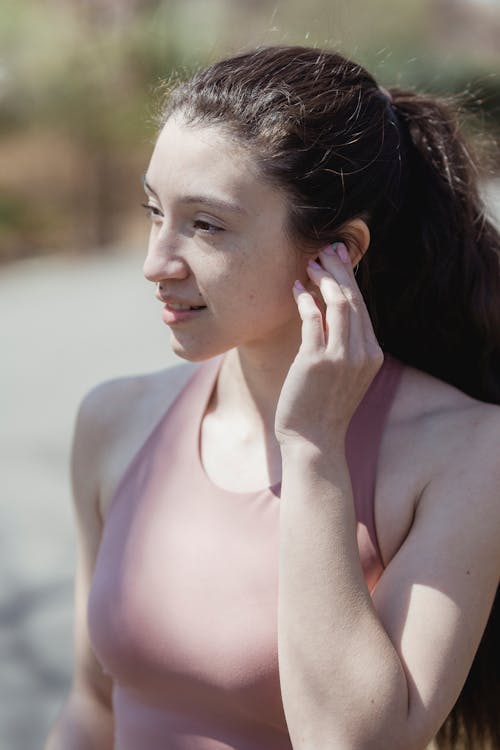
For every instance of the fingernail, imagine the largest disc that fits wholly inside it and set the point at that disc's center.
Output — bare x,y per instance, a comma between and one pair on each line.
314,264
342,253
299,286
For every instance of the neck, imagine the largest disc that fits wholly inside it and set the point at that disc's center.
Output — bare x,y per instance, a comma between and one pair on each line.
251,379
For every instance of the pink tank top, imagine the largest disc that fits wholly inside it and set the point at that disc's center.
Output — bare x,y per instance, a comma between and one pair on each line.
183,603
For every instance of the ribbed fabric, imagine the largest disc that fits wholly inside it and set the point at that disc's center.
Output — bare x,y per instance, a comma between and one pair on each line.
183,603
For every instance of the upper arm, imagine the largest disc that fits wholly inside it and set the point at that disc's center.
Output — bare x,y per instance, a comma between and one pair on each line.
91,432
114,420
435,596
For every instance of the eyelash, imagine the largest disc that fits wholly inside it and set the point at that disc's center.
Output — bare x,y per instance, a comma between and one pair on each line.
151,209
213,228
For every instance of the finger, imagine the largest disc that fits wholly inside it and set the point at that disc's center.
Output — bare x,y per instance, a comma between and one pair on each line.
362,337
313,334
325,281
338,309
339,265
333,262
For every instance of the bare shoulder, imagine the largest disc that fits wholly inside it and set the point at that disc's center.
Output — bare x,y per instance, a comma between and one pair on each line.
440,490
114,419
447,423
112,403
439,440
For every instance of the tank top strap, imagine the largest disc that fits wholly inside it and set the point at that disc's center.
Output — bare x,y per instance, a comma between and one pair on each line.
186,413
362,449
182,417
176,436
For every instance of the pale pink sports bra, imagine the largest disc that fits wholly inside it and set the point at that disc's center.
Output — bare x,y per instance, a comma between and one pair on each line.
183,603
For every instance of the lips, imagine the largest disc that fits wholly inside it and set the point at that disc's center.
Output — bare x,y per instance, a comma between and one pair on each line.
175,303
174,313
177,309
178,306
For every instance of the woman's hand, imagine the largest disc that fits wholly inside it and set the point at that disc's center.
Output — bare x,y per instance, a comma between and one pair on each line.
338,358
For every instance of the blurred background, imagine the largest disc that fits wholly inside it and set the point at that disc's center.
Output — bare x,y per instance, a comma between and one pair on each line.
79,89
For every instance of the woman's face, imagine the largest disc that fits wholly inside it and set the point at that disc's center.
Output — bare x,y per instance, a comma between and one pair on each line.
218,244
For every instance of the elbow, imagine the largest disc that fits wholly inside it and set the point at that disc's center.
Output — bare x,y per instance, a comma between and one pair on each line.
385,729
391,740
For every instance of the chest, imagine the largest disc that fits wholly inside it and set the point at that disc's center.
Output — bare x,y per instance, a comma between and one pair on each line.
183,606
397,472
238,460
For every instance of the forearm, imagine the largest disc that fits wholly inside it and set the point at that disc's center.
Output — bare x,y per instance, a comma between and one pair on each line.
83,724
342,682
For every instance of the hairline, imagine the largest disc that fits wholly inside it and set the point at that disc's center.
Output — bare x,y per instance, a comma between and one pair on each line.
251,151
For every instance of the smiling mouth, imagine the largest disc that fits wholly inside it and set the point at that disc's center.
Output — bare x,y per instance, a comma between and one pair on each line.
171,306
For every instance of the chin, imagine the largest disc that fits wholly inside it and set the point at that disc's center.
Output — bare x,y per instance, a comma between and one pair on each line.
196,351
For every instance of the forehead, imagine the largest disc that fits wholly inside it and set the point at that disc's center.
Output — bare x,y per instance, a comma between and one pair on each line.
192,158
206,160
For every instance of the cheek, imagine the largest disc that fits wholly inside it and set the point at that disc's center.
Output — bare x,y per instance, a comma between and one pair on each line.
259,274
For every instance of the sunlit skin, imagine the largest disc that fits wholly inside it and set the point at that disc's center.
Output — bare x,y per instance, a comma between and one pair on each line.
358,668
237,262
305,376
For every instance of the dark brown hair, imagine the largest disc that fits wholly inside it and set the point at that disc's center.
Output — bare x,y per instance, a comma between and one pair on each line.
322,130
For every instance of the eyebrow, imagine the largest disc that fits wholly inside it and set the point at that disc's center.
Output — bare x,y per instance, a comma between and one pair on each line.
207,200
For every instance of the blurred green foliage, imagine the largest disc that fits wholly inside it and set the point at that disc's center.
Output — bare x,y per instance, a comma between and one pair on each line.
78,81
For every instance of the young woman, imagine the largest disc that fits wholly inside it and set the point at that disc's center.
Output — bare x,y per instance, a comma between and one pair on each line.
294,544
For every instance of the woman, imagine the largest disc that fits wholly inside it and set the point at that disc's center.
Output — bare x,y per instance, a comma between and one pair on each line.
295,543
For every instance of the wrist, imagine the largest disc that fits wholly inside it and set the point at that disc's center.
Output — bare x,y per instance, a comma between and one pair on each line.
299,451
315,476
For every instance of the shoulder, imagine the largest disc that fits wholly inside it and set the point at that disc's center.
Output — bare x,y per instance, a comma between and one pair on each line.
445,422
114,418
462,449
110,403
442,573
439,455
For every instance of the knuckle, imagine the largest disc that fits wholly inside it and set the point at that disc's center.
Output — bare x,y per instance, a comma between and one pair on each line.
340,302
377,359
312,313
316,363
368,360
306,310
350,296
316,326
359,361
337,357
374,353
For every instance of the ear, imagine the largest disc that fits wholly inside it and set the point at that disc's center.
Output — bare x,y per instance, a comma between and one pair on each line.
356,235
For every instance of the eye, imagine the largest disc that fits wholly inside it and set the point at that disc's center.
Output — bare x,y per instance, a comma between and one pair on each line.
206,226
153,211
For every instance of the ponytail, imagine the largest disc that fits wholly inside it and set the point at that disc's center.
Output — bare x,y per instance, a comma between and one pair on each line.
435,275
435,287
340,147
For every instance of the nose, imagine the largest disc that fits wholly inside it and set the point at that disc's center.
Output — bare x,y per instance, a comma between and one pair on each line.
164,263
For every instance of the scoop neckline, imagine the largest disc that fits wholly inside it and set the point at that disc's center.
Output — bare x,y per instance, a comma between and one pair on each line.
209,384
209,372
